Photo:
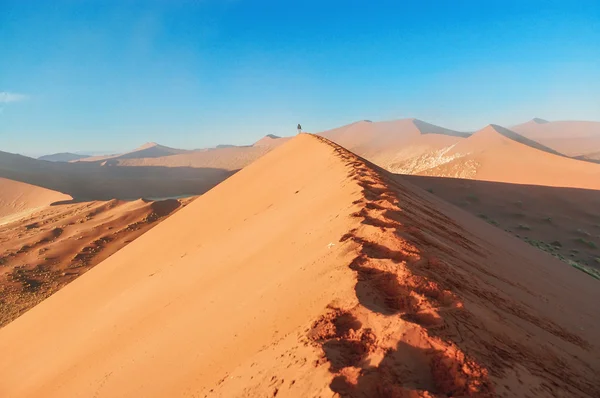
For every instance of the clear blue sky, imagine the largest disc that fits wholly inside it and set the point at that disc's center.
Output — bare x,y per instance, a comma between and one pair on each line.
111,75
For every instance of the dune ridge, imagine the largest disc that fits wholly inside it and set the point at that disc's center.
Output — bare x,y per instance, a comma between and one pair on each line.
335,276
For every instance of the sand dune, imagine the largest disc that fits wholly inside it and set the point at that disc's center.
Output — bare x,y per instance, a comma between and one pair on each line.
231,158
373,137
148,150
271,140
573,138
62,157
398,145
492,154
52,246
17,199
307,277
91,181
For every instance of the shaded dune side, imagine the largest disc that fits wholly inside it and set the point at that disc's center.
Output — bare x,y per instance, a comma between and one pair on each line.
412,272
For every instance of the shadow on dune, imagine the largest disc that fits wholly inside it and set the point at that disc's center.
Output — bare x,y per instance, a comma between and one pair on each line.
91,181
562,221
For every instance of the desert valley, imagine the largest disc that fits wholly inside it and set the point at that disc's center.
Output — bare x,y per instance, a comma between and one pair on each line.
377,259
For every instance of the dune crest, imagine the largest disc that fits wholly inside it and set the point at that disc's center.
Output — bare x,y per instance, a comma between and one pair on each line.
334,276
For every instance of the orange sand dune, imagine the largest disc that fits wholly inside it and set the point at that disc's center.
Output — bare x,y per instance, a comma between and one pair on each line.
87,181
271,141
148,150
18,199
495,154
564,222
227,158
52,246
399,146
313,272
573,138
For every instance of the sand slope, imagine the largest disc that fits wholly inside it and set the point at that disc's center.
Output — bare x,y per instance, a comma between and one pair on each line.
573,138
304,278
18,199
52,246
497,154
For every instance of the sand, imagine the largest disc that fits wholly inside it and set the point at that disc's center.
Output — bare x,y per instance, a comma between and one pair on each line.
573,138
18,199
148,150
333,276
87,181
230,158
564,222
495,154
63,157
392,142
53,245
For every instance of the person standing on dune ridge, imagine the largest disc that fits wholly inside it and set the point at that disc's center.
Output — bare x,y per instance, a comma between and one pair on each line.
299,128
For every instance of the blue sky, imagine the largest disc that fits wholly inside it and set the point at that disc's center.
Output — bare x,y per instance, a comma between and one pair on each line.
111,75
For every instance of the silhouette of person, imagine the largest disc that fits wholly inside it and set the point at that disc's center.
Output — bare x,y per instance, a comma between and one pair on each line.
299,128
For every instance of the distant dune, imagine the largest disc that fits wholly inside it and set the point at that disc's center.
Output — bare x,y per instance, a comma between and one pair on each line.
312,272
94,181
492,155
17,199
148,150
375,136
573,138
271,140
392,143
63,157
230,158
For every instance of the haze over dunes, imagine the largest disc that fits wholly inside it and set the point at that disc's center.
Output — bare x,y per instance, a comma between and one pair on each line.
493,153
48,248
92,181
17,198
231,158
62,157
573,138
393,142
148,150
334,276
497,154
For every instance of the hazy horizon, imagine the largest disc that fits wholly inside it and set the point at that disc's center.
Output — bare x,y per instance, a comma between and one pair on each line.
84,77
